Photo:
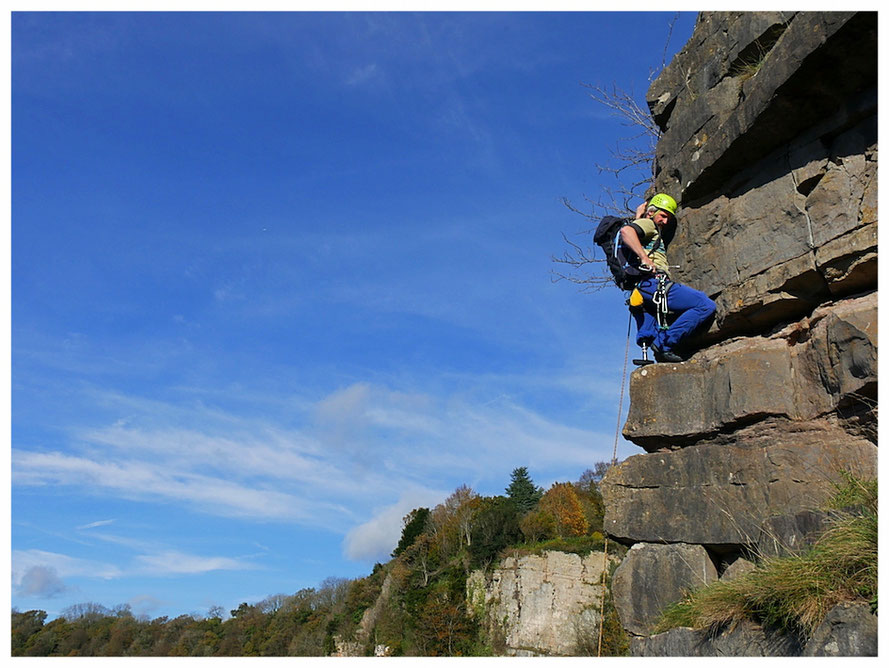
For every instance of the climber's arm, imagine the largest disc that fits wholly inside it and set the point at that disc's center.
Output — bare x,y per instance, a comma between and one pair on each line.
629,235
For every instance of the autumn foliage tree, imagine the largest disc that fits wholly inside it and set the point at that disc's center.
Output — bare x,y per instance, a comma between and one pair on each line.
562,504
451,521
538,525
590,497
444,627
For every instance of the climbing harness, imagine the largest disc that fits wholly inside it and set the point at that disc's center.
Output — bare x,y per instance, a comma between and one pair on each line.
660,300
661,308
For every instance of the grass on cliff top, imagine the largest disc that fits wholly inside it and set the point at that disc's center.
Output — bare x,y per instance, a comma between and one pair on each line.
581,545
794,593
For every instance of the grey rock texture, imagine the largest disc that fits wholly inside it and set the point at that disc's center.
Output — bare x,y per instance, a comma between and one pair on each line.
803,372
775,167
725,496
769,142
737,568
791,533
653,576
542,605
734,93
788,240
743,639
849,629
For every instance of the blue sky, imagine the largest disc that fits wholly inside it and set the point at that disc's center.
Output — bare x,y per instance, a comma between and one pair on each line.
278,279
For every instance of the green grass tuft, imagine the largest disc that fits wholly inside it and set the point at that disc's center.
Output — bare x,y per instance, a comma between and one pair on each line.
794,593
581,545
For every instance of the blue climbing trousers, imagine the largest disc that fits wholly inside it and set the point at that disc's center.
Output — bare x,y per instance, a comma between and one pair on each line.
691,308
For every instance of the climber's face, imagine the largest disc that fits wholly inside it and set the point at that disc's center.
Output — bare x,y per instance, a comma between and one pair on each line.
660,218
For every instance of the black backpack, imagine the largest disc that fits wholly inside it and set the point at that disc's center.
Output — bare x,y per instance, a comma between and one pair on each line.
607,237
624,264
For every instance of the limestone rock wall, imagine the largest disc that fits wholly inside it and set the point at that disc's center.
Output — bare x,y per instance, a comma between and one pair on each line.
542,605
769,142
793,381
653,575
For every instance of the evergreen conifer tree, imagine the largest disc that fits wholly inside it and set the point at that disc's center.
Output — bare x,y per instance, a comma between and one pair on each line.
414,524
522,490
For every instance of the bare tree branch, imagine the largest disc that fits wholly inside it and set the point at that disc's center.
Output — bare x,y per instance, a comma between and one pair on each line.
633,168
654,73
633,156
632,165
578,263
633,161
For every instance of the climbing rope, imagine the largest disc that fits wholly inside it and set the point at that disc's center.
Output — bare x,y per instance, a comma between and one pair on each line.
623,385
620,408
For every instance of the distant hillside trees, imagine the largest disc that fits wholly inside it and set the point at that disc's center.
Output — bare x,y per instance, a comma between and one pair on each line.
301,624
587,489
415,605
452,520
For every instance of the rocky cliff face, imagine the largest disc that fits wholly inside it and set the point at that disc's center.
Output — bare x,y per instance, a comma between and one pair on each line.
769,123
544,605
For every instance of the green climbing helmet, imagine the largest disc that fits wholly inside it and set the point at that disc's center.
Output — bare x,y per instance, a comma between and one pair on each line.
665,203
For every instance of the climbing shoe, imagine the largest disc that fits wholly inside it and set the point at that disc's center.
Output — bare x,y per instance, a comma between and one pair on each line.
665,355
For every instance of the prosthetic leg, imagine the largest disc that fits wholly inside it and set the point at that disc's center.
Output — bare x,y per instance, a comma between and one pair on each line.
635,302
661,313
644,360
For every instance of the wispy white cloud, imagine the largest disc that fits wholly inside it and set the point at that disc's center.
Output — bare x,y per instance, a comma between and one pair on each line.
141,480
355,449
363,74
145,604
61,565
178,563
42,574
375,538
41,582
93,525
271,453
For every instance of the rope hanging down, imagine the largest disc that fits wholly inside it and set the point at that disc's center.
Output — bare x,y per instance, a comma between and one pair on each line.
623,385
620,408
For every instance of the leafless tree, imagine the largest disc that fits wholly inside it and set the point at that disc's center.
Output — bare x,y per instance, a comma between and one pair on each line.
273,603
632,165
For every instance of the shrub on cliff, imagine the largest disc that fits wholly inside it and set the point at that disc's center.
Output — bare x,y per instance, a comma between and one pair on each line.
496,526
795,592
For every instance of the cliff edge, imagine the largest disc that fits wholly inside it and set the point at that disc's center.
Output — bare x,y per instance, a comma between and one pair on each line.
769,141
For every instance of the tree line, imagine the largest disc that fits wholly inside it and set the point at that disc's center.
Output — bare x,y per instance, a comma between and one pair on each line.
425,613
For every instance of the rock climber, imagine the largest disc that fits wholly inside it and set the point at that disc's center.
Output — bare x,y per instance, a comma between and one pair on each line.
655,296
